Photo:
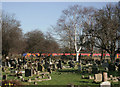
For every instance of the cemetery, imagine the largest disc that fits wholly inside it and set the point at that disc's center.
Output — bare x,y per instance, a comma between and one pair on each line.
60,44
58,70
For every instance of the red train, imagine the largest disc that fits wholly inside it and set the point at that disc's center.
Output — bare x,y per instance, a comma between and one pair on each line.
67,54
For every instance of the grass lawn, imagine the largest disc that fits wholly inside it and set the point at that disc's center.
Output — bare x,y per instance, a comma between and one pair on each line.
64,77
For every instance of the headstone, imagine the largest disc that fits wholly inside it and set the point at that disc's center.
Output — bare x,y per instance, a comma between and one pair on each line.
35,83
105,64
22,72
49,77
4,77
25,66
82,76
59,65
115,80
28,72
94,69
105,84
3,69
49,70
34,72
79,67
29,80
119,67
54,68
106,69
104,76
37,73
71,64
9,65
90,77
90,69
23,79
116,68
42,75
111,67
98,77
4,64
40,67
20,77
46,65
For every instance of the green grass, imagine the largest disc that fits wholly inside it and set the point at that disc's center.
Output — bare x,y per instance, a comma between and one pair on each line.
64,77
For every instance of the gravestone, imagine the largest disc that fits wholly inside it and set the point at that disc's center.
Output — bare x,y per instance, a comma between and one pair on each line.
59,65
20,77
82,76
49,70
79,67
29,80
106,69
54,68
98,77
28,72
46,65
4,77
9,65
3,69
71,64
111,67
34,72
94,69
35,83
49,77
23,79
25,66
116,68
105,76
91,77
119,67
105,64
105,84
90,69
40,67
42,76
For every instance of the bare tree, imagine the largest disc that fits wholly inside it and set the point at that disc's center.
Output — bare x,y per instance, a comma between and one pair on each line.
34,40
38,42
104,29
70,26
12,36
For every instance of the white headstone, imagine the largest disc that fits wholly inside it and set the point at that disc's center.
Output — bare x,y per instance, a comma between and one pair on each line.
105,84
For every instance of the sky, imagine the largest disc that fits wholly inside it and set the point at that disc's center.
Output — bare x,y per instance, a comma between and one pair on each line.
41,15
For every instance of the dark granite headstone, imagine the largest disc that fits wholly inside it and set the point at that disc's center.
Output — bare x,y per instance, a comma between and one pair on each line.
28,72
40,68
49,70
59,65
111,67
3,69
71,64
4,77
94,69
